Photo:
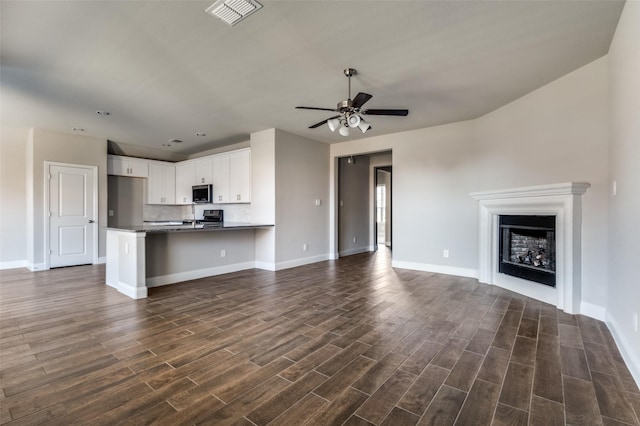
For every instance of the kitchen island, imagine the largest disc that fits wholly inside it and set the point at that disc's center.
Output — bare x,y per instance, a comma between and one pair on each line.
143,256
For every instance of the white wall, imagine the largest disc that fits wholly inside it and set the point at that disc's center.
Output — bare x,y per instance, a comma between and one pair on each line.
263,194
624,226
13,196
558,133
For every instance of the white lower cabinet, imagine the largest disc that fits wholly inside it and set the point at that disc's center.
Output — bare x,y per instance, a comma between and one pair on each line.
161,185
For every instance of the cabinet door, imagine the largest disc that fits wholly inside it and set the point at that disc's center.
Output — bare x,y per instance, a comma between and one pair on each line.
125,166
185,178
138,168
155,184
117,166
161,184
204,171
169,184
240,177
221,179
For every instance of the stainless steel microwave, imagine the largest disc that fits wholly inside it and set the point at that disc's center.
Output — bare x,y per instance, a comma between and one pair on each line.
202,193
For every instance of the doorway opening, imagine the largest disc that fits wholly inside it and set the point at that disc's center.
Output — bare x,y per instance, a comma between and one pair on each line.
382,200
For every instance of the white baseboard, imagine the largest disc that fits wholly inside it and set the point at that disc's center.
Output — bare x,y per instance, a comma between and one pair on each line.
127,290
33,267
198,273
269,266
439,269
15,264
356,250
593,311
101,260
631,357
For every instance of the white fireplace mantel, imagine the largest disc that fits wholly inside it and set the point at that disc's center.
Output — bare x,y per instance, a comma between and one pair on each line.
562,200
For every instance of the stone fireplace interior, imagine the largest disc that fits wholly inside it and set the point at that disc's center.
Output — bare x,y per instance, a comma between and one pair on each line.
527,248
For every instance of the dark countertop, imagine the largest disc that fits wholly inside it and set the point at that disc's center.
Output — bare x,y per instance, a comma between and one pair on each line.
189,227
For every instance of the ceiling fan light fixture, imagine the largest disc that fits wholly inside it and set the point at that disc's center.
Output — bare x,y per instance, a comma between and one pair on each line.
364,126
344,130
353,120
333,124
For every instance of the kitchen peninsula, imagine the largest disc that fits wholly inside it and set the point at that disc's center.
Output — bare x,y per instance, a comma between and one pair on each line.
139,257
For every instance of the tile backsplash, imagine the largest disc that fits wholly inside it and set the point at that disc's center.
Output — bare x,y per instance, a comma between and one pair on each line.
232,212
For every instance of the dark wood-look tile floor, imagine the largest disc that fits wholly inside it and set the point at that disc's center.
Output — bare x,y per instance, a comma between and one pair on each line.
351,342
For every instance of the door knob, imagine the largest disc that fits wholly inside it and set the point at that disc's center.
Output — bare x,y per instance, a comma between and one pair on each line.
91,221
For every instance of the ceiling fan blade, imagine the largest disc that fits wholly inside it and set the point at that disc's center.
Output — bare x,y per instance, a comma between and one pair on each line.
360,99
323,122
316,108
396,112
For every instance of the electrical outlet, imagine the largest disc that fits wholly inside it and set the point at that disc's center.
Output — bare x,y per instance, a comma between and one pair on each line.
318,202
223,253
304,247
635,322
445,253
110,212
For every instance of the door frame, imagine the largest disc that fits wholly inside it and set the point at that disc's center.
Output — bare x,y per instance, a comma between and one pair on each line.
388,169
47,220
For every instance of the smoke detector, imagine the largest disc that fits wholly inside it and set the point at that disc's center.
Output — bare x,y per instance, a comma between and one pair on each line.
233,11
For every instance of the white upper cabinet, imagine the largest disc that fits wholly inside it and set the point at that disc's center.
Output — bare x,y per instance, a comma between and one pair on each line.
232,177
185,176
240,176
221,179
203,171
127,166
161,185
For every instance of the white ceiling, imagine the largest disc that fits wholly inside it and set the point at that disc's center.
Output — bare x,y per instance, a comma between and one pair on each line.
167,69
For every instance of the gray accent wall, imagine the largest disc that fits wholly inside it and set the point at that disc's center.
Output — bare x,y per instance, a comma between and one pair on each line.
354,205
45,145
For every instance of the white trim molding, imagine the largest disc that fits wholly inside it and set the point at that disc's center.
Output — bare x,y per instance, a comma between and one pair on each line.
438,269
562,200
14,264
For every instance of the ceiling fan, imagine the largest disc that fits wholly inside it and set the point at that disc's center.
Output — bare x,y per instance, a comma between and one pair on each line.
351,112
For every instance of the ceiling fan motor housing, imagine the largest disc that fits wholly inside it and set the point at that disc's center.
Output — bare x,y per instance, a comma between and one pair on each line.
344,106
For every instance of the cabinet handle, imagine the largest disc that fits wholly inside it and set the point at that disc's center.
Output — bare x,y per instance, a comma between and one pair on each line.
202,180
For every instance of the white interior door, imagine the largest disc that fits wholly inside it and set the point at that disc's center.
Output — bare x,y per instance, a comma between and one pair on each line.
72,220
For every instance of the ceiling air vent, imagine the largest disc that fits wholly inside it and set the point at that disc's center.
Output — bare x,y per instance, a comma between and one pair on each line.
233,11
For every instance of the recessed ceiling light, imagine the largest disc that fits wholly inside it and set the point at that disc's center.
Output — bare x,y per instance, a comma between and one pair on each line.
103,113
201,134
175,141
166,144
77,129
233,11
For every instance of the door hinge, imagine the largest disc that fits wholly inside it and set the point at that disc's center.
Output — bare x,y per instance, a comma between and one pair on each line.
50,214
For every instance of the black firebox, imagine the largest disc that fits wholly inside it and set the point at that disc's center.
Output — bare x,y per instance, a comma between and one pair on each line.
528,248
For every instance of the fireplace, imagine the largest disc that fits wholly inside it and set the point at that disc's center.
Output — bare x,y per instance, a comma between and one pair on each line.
562,201
527,248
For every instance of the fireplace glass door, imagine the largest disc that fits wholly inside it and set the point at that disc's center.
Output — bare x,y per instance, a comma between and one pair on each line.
528,248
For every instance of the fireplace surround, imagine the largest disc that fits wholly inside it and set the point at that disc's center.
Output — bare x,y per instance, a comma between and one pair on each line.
562,201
